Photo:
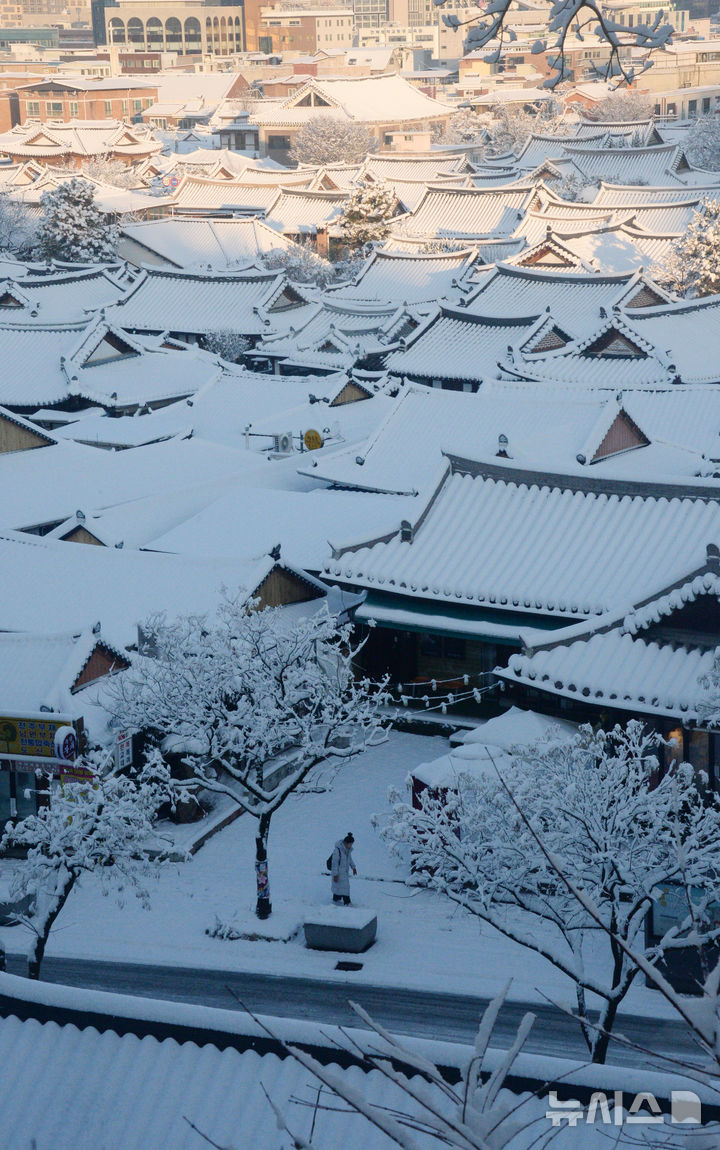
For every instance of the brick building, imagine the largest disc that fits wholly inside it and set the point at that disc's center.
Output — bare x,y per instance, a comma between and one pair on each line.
77,99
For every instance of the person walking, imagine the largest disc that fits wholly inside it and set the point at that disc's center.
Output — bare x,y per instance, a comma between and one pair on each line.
342,864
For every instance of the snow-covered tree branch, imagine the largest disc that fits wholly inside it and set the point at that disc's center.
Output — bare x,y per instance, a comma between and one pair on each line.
229,345
567,18
101,825
252,701
610,826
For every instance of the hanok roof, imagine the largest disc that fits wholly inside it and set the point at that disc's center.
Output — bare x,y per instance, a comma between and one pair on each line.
486,541
369,99
410,278
39,671
457,345
610,194
297,211
336,336
413,167
658,164
95,361
612,355
185,302
62,297
195,243
573,299
79,138
467,212
688,333
198,193
626,662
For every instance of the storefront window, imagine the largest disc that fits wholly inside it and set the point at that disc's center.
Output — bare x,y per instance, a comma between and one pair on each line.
5,811
25,793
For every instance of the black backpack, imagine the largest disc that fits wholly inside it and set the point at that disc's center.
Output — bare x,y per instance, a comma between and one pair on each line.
328,864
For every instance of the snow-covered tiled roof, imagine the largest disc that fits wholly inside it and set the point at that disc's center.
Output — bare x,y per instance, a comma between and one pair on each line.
457,345
195,243
196,193
615,670
613,354
467,212
334,335
408,277
165,300
688,332
79,138
370,99
410,166
94,361
38,671
610,194
573,299
118,586
63,297
296,211
491,542
125,1092
657,164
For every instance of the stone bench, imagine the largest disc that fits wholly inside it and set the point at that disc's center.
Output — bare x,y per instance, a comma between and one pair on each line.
344,928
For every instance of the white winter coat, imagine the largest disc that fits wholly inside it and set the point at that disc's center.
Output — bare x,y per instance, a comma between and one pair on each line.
342,864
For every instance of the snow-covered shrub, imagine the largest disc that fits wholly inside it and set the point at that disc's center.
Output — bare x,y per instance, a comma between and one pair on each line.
18,228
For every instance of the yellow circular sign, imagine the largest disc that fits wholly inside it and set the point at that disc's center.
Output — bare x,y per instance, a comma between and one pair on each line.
313,440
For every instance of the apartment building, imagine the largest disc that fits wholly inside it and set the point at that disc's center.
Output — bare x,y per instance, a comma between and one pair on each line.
305,30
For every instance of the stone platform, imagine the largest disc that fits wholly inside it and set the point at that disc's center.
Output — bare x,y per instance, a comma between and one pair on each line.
344,928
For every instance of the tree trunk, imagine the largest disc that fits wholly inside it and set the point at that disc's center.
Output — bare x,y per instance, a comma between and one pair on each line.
37,950
605,1023
263,907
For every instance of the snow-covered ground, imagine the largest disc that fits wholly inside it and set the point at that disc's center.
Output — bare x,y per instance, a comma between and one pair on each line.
423,940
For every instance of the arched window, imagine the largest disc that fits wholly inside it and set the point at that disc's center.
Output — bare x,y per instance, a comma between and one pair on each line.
154,30
173,34
117,31
135,31
193,36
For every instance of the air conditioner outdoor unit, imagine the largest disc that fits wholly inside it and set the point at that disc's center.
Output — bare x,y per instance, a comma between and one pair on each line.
283,443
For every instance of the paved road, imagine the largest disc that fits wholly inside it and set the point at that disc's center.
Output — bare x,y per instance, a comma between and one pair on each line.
449,1017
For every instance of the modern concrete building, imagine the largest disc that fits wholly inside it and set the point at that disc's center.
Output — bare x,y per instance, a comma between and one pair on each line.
189,27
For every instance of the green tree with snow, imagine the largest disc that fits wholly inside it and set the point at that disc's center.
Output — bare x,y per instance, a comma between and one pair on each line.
367,214
73,228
